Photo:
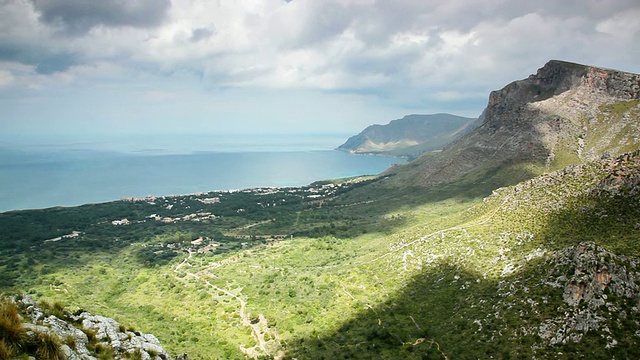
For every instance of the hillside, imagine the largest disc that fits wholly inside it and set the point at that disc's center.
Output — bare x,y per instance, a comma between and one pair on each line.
545,269
565,113
410,136
519,240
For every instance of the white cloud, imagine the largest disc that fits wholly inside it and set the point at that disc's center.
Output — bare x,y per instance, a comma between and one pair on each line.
624,25
6,78
411,55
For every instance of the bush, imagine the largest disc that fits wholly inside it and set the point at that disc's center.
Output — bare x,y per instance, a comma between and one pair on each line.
48,347
152,353
136,355
71,342
12,333
5,350
104,352
56,309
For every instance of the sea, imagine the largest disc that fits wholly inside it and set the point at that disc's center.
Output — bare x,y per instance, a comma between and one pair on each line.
43,172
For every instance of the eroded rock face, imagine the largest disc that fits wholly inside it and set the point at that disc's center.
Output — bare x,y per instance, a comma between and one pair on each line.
623,177
593,270
106,332
590,276
553,79
109,331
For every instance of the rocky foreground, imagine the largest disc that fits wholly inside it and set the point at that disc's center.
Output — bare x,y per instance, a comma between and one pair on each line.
81,336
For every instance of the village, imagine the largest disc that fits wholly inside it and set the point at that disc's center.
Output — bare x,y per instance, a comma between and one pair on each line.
225,220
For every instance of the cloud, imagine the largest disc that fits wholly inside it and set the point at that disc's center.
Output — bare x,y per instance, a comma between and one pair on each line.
414,56
79,16
202,33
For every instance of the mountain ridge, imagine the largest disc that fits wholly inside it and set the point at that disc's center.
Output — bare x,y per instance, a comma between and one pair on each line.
539,120
409,136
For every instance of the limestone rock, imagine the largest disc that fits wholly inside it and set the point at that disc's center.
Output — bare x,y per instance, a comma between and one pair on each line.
109,334
588,273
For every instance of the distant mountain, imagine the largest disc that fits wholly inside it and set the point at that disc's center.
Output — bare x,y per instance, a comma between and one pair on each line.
564,114
410,136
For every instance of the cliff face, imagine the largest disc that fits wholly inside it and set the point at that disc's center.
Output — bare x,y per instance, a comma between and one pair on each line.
554,79
565,113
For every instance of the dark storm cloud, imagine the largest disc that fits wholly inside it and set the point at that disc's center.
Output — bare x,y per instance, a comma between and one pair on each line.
79,16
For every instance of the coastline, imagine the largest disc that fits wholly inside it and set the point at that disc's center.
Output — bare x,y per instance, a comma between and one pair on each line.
71,180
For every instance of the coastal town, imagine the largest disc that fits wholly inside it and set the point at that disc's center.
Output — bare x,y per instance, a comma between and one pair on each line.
230,219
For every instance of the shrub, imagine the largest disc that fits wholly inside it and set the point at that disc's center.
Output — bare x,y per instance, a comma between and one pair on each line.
12,333
48,347
105,352
136,355
152,353
5,350
56,309
91,335
71,341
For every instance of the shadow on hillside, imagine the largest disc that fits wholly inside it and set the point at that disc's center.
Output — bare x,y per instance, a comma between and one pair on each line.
453,313
432,318
449,313
382,197
609,221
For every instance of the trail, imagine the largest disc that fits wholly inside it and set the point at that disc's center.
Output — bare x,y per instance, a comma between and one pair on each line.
267,341
457,227
184,262
250,225
258,328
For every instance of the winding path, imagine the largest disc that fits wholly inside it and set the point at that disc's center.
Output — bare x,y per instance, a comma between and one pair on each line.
258,329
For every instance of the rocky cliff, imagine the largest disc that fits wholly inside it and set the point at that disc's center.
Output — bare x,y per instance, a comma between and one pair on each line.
565,113
410,136
35,330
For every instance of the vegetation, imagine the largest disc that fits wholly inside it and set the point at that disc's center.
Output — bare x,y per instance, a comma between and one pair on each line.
13,336
15,340
410,136
357,268
48,346
363,273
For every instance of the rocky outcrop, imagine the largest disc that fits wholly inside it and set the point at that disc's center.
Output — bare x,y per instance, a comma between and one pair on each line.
84,335
623,178
555,117
554,79
596,287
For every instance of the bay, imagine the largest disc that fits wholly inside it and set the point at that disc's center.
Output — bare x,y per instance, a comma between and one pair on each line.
70,174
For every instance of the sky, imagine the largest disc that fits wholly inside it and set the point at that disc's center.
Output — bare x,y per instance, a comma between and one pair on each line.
105,67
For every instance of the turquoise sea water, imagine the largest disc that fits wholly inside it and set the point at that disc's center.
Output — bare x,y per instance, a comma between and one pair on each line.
47,174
